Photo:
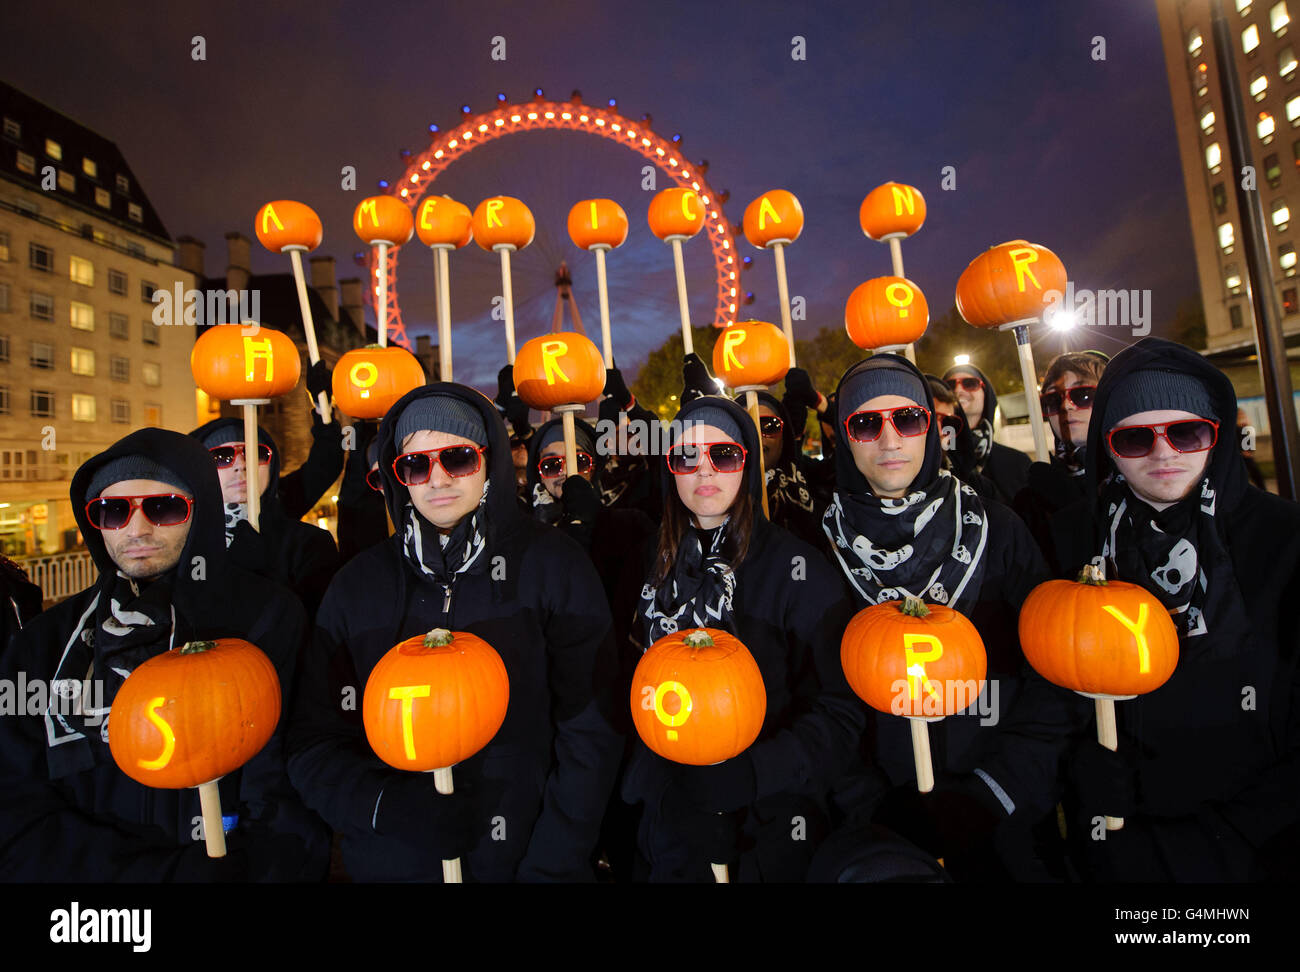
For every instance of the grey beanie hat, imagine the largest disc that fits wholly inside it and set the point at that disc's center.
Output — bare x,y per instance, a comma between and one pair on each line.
555,433
442,413
872,382
1151,391
715,416
132,467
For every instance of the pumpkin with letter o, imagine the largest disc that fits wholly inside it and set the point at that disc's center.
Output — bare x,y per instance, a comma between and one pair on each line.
675,212
503,222
368,380
283,225
892,211
442,221
774,217
698,697
751,353
435,700
886,312
597,224
191,715
231,365
1007,284
559,369
383,219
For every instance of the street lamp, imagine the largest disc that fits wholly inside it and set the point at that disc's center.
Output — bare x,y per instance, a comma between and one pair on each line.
961,359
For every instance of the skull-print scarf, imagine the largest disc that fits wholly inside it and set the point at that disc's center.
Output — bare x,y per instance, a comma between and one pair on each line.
545,507
234,513
698,593
982,434
930,543
787,488
438,556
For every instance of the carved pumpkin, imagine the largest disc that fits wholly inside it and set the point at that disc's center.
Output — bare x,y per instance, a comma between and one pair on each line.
698,697
676,213
368,380
383,219
597,223
441,221
1098,637
191,715
1006,284
559,369
284,225
774,217
503,221
886,312
435,700
892,211
751,353
230,365
914,659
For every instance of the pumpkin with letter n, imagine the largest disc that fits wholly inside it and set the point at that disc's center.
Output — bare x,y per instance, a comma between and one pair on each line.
559,369
368,380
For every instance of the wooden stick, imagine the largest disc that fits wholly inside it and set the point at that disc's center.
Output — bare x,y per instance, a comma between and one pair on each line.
509,298
720,874
783,292
751,402
451,873
1030,380
921,755
570,442
603,290
443,277
896,257
1108,736
252,480
214,832
309,328
681,296
382,309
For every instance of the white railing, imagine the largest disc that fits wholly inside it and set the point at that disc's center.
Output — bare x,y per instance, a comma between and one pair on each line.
61,575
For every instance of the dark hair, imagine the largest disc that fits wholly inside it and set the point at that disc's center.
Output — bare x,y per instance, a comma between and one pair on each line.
940,391
676,518
1085,364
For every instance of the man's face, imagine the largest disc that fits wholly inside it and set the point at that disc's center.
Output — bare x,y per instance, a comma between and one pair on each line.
234,478
971,402
555,485
771,443
519,455
707,493
1166,475
891,461
140,549
1074,429
445,500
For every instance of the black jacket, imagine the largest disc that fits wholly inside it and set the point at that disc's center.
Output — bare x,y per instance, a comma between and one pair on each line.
1050,489
803,523
534,597
1004,467
302,489
97,824
363,520
20,600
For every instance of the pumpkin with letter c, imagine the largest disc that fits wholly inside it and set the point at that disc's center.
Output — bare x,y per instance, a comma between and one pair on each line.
503,222
442,221
892,211
230,365
1007,284
597,223
675,212
283,225
368,380
751,353
698,697
774,217
886,312
383,219
559,369
191,715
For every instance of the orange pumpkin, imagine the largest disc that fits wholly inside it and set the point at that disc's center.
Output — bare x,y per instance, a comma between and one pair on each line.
503,221
191,715
751,353
559,369
1098,637
230,365
774,217
892,211
435,700
597,223
383,219
1007,284
368,380
698,697
914,659
441,221
284,225
676,213
886,312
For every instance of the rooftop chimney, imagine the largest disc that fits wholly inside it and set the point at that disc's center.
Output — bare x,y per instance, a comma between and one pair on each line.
189,256
350,300
324,283
238,252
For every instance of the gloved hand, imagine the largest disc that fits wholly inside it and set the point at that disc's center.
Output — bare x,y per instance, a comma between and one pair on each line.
711,837
799,389
957,816
696,380
729,785
616,389
581,504
511,406
194,866
609,411
320,379
447,825
1105,782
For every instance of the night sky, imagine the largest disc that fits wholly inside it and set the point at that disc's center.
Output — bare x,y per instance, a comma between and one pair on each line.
1048,144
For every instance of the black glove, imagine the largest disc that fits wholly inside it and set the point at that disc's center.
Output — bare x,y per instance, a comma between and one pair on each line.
581,504
616,389
711,837
729,785
1105,782
194,866
957,816
447,825
799,389
696,380
509,404
320,379
609,411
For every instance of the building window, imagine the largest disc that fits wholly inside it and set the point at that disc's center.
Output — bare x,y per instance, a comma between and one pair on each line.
102,198
1265,127
123,184
151,374
40,257
152,415
4,247
121,411
1289,300
1234,317
41,356
82,316
41,307
117,325
1272,171
13,129
53,149
42,403
1250,39
1243,7
1286,259
67,182
1220,196
119,368
1259,84
26,163
1281,215
1201,79
1207,121
1213,158
1286,63
83,362
83,408
149,332
81,271
1226,237
4,298
135,250
1278,18
134,211
1195,41
4,399
89,168
4,348
117,283
147,287
1232,279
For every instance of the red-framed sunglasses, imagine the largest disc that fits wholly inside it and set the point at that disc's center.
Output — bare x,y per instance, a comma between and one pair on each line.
1185,435
770,425
549,467
1081,396
908,421
225,455
967,383
160,509
724,457
374,480
414,468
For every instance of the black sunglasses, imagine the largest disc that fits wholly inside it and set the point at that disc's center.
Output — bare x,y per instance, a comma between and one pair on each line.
414,468
908,420
160,509
1081,396
225,455
770,425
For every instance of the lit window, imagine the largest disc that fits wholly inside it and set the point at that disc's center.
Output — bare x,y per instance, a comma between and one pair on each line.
1202,78
1213,158
82,316
1293,110
1194,41
83,362
1281,214
26,163
1289,301
53,149
1250,39
1278,18
82,272
1286,63
1232,279
1286,259
1207,121
1259,85
1264,128
13,129
1226,237
41,307
67,182
117,325
121,411
151,374
83,408
119,368
1243,6
152,415
4,247
89,168
102,198
134,211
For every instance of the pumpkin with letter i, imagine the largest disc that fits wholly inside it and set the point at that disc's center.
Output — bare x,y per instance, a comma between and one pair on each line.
886,313
368,380
597,223
283,225
1006,285
233,366
892,211
751,353
559,369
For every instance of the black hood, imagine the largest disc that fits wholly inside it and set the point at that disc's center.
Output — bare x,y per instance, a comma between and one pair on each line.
990,393
1226,470
749,439
503,513
188,459
789,451
847,476
234,428
535,452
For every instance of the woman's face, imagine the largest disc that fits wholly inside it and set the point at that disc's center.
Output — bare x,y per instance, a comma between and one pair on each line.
707,493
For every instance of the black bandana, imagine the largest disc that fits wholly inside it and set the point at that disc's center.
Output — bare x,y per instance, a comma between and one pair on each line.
1070,458
787,489
929,544
439,556
697,594
618,473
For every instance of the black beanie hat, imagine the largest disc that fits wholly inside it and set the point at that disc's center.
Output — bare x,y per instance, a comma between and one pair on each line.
442,413
1153,390
132,467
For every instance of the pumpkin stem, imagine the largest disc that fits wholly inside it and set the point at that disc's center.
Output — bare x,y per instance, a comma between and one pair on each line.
698,639
914,607
1092,575
194,647
437,638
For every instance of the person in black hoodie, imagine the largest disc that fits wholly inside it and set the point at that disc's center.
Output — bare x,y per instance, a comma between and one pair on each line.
363,520
957,440
719,563
791,501
20,600
1007,468
300,556
1207,771
528,806
67,813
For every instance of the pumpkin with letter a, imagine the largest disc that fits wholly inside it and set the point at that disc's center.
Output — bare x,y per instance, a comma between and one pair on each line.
442,221
910,658
1098,637
774,217
675,212
597,224
1008,284
231,365
435,700
193,714
892,211
698,697
503,222
751,353
383,219
559,369
886,312
287,225
368,380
